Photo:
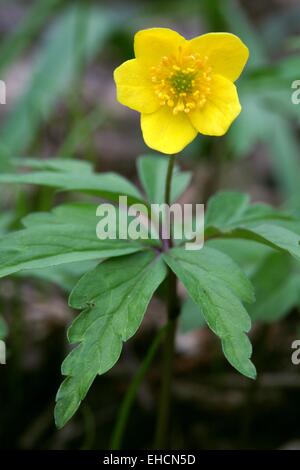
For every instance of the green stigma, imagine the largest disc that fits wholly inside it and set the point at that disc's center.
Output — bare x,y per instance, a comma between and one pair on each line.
182,82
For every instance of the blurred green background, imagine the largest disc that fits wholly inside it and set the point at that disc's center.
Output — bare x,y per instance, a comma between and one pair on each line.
56,59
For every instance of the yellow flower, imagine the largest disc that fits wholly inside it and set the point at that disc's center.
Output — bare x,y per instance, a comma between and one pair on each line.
182,87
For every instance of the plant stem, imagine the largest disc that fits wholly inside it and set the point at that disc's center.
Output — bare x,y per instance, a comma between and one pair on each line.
168,186
161,437
118,431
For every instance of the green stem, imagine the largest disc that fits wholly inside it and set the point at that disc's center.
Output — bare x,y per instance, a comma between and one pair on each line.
118,432
161,436
163,418
169,180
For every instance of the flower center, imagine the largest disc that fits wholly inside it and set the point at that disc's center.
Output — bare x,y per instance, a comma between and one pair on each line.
182,84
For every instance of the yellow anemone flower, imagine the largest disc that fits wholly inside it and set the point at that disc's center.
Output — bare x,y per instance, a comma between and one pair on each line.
182,87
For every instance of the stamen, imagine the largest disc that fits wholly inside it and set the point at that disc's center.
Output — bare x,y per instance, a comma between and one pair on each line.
183,83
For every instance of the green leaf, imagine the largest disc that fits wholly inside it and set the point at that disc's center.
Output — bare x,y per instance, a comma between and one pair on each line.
106,185
284,151
64,276
191,317
225,208
217,286
277,286
81,133
230,216
6,218
260,212
252,126
66,165
77,35
66,235
114,296
275,276
267,103
152,171
20,37
276,237
246,253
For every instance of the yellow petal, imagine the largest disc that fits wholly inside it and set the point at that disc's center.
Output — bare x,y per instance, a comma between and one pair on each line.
150,45
165,132
227,54
220,110
134,89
